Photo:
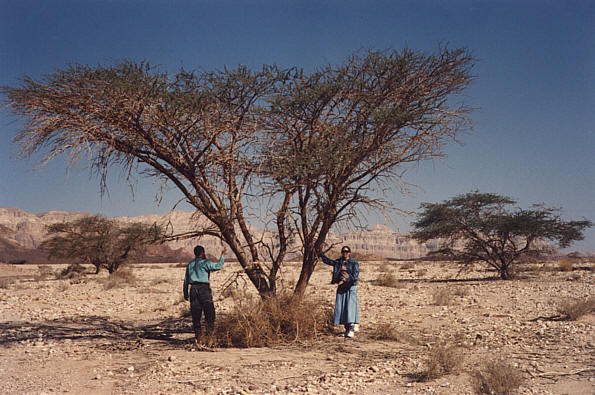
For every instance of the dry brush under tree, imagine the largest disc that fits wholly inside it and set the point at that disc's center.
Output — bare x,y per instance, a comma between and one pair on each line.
311,148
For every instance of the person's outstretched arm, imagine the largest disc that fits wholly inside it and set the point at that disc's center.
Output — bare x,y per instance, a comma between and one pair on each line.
212,266
326,260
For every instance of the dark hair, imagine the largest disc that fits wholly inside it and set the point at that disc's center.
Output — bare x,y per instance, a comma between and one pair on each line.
346,248
199,251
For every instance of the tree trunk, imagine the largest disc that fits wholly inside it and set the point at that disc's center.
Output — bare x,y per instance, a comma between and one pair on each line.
308,266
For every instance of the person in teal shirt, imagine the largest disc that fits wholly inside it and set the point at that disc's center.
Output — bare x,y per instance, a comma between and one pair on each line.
197,276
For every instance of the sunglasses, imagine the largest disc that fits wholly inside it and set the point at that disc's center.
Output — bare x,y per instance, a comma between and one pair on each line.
345,251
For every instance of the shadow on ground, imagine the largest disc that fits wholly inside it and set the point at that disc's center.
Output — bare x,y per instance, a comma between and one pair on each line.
96,328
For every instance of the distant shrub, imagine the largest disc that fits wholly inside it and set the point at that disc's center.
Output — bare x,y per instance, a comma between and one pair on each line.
441,360
461,291
566,265
385,331
385,267
272,321
573,309
421,272
17,262
388,280
408,266
74,270
44,273
5,282
118,279
442,297
496,377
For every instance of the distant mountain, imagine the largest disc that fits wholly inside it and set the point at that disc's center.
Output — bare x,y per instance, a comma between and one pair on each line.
20,230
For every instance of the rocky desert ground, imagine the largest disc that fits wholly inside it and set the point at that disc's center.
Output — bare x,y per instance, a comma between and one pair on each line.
76,336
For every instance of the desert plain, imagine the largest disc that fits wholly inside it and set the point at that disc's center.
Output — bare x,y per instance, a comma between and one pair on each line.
78,335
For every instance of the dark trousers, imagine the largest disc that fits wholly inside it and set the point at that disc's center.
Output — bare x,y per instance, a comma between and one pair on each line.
201,300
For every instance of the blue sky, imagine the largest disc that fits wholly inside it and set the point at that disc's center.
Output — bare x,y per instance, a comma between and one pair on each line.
534,136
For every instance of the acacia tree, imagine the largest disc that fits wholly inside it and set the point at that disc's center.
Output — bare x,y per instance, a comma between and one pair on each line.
341,136
193,130
484,227
99,241
319,145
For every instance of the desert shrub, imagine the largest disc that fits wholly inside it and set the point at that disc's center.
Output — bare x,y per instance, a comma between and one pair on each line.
565,265
408,266
180,264
496,377
421,272
5,282
119,279
461,291
385,267
63,286
441,360
388,280
44,273
74,270
385,331
17,262
573,309
279,319
442,297
158,281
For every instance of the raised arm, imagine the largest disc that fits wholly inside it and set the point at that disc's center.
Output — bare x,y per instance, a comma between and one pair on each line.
326,260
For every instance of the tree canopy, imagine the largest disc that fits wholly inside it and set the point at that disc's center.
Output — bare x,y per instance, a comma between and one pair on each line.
99,241
308,148
489,228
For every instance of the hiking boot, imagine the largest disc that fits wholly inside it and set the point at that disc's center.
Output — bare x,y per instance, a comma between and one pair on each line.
350,333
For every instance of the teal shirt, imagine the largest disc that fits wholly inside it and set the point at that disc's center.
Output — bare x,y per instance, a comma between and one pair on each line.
198,271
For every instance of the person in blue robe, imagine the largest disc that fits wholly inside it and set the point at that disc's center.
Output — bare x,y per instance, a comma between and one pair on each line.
345,275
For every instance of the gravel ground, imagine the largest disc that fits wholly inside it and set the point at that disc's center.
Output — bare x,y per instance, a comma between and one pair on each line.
75,336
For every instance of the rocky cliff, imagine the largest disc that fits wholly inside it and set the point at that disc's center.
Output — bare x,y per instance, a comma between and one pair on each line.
27,230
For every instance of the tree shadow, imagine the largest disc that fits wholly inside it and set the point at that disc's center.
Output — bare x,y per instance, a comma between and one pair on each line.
93,328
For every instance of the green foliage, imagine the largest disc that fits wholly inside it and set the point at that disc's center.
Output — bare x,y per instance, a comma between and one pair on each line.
482,227
99,241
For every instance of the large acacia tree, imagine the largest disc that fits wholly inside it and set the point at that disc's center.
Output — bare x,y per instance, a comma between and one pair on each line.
485,227
312,147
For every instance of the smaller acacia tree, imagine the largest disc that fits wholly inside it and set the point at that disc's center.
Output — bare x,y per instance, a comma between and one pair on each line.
483,227
100,241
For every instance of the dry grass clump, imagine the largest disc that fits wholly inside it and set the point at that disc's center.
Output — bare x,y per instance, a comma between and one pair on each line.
461,291
44,273
119,279
573,309
388,280
74,270
408,266
5,282
385,268
441,360
442,297
384,331
272,321
565,265
496,377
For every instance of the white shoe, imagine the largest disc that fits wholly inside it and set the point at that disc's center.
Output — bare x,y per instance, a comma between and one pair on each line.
356,327
350,333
